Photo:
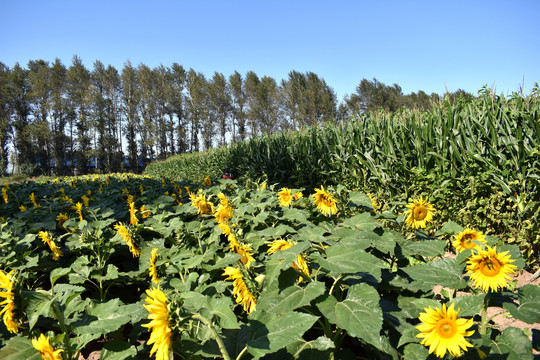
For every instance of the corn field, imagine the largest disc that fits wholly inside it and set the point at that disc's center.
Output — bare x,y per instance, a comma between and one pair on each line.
468,153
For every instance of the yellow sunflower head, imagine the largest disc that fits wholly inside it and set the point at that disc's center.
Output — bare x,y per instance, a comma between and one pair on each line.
7,283
469,239
285,197
201,204
420,212
46,350
298,195
132,214
61,219
160,323
126,234
5,194
145,212
489,269
325,203
441,330
207,181
245,251
243,287
153,269
299,264
223,213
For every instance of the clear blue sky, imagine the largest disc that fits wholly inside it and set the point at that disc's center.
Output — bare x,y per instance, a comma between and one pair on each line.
420,45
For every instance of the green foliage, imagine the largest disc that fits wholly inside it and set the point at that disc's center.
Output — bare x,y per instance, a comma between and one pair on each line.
366,286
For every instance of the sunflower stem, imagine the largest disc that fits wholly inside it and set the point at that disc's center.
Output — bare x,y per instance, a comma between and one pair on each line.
483,314
220,343
60,317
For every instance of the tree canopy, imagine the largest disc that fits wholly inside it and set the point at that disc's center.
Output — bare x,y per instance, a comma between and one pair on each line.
60,119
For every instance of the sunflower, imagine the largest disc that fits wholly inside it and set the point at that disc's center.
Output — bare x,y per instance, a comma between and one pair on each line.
5,195
243,295
285,197
152,269
85,200
490,270
207,181
326,204
124,232
441,330
7,282
159,323
245,251
298,195
78,208
22,208
145,212
468,239
299,264
132,214
45,349
201,204
223,213
374,203
47,239
420,211
33,200
61,219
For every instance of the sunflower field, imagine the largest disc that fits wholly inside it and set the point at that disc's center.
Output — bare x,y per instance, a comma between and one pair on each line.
143,267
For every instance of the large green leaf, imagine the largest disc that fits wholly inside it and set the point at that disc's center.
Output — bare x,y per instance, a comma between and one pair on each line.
426,248
289,299
444,272
345,258
209,307
416,352
269,332
364,221
513,344
318,349
118,350
449,228
38,304
19,348
469,305
359,314
103,318
528,309
411,307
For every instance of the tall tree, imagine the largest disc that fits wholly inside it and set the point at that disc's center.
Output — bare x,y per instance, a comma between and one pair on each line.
20,103
251,84
374,95
58,116
178,80
220,104
39,94
79,99
5,123
130,100
148,114
238,98
197,109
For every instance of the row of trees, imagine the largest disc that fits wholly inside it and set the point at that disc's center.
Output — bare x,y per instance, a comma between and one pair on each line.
55,118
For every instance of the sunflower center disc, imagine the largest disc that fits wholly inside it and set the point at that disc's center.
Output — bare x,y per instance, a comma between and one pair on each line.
490,267
446,329
420,213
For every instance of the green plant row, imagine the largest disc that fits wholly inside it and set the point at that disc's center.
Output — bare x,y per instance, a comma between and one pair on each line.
144,267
